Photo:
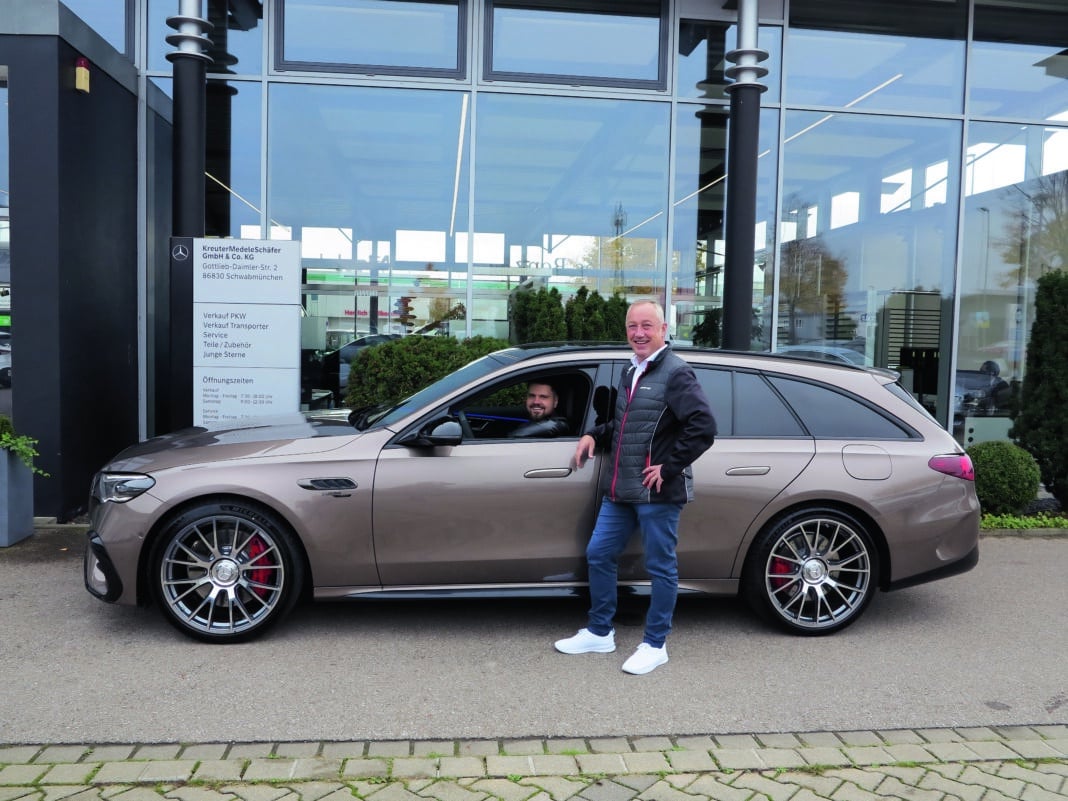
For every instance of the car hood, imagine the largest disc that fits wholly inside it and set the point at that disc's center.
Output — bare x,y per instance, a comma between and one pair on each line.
278,435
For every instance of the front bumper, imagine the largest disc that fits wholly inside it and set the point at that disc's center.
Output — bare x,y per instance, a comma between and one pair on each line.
101,577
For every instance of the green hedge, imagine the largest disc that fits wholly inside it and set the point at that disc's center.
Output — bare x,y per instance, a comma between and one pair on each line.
1006,476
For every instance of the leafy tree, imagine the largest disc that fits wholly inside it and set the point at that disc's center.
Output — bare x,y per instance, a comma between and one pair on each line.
1042,424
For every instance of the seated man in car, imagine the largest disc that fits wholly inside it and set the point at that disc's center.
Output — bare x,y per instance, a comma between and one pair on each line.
541,409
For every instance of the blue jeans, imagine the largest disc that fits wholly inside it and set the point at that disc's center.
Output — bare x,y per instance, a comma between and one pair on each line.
659,524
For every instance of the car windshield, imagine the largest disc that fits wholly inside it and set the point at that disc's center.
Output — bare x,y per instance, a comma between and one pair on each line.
383,415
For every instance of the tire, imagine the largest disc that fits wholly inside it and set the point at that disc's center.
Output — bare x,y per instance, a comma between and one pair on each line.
225,572
813,572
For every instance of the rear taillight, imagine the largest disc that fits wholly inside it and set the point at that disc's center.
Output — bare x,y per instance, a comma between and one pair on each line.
958,465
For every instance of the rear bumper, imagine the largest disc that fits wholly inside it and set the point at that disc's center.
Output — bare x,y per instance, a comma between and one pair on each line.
962,565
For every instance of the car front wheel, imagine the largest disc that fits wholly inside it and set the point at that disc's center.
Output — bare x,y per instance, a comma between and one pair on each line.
225,572
813,572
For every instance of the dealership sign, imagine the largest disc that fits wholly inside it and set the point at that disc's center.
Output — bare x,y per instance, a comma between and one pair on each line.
246,328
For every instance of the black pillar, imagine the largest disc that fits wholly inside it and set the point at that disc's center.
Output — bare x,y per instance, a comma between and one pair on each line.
742,148
190,62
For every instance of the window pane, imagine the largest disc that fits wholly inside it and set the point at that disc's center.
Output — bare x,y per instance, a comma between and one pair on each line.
539,41
232,159
107,19
699,241
390,34
875,56
1019,64
374,184
828,414
873,271
703,47
719,391
570,193
759,412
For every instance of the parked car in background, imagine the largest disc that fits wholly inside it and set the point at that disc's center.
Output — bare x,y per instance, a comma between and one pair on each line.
825,484
980,393
5,361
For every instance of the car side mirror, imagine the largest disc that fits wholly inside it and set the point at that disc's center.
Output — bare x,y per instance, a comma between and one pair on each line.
440,433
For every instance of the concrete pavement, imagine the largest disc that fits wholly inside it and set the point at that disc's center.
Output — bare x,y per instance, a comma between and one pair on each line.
1029,763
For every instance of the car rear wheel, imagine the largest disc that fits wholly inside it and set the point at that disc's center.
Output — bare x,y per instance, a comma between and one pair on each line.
812,572
225,572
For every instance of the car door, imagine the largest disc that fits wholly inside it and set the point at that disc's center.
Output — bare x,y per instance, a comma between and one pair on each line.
488,510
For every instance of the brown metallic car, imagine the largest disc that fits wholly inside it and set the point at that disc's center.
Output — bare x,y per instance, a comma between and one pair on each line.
825,483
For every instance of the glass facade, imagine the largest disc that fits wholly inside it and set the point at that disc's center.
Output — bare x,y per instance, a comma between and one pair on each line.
434,157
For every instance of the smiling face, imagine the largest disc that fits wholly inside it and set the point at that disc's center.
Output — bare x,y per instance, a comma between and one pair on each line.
646,329
541,401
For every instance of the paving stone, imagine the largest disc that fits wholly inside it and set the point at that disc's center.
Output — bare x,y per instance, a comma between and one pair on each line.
652,744
691,761
607,790
868,755
951,752
62,753
433,748
559,788
860,738
764,786
780,758
939,735
906,752
736,742
297,749
250,750
137,794
820,739
523,747
647,762
389,748
190,793
504,789
257,792
1058,744
933,780
69,774
450,791
19,793
177,770
694,743
219,770
610,745
893,787
1032,749
824,756
823,786
900,737
573,745
119,773
259,770
664,791
110,753
778,740
1008,786
637,782
737,758
1015,732
10,754
21,774
462,767
61,793
715,787
478,748
594,764
1014,770
365,769
414,768
395,791
865,779
555,765
346,750
509,766
158,751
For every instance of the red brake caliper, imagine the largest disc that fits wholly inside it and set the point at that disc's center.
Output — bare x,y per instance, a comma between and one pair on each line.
780,567
260,575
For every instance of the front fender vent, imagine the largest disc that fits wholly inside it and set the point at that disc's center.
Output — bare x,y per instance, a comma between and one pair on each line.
327,484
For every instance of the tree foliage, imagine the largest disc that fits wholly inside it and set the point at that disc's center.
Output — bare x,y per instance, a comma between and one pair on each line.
1041,427
542,316
394,370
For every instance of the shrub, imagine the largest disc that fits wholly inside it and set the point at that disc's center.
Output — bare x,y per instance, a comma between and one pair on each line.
22,446
1006,476
1042,424
394,370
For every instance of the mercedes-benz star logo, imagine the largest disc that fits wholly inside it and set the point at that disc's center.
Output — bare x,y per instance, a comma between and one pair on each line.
179,253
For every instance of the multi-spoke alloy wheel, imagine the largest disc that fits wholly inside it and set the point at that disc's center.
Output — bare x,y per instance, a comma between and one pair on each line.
225,572
813,572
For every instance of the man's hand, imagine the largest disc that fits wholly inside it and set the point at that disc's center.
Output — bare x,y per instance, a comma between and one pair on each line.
651,478
583,451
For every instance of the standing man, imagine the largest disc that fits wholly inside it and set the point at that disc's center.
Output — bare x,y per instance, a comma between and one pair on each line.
662,423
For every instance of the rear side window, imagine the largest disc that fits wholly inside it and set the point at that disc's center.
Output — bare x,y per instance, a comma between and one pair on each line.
829,414
759,412
717,387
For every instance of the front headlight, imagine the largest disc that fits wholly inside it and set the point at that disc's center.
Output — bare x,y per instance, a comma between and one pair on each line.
120,487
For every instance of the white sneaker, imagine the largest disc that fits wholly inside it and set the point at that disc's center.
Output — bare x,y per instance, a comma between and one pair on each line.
586,642
645,659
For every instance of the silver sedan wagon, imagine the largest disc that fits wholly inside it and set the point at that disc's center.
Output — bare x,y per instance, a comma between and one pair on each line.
826,483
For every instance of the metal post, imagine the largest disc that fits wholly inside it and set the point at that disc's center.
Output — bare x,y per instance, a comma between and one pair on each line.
190,62
742,149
